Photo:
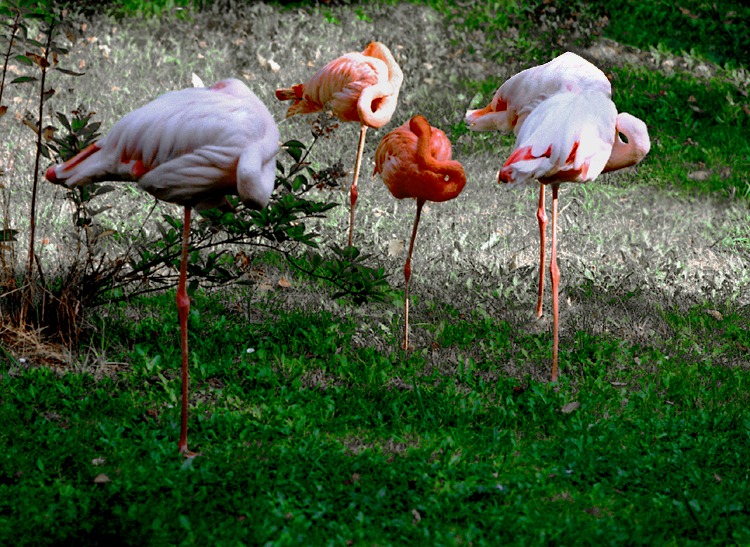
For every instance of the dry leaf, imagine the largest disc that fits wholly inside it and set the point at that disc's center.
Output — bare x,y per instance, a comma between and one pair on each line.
688,13
101,478
416,515
284,282
197,82
38,59
570,407
48,133
98,461
31,124
715,314
699,175
396,247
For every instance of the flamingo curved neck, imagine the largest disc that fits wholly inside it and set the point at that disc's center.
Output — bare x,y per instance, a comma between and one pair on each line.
377,103
427,162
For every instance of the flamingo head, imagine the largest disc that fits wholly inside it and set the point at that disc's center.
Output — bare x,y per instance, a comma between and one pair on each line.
632,142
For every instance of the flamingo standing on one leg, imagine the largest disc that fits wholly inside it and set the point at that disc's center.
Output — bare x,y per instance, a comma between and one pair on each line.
572,137
414,161
356,87
519,96
192,147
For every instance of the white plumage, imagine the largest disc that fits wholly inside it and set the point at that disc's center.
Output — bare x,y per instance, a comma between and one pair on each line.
568,137
520,94
191,147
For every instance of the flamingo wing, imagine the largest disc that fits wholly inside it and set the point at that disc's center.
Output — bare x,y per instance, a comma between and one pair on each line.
568,137
520,94
336,85
186,146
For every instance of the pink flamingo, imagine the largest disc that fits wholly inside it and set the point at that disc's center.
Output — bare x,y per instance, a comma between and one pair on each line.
516,99
191,147
572,137
557,146
414,161
356,87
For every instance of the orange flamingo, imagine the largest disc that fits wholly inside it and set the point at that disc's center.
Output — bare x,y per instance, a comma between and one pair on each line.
414,161
516,99
192,147
572,137
356,87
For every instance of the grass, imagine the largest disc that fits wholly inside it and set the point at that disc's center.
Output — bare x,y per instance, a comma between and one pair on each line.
314,439
709,29
312,426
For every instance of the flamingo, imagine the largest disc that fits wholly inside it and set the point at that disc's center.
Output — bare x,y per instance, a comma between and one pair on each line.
516,99
356,87
572,137
191,147
414,161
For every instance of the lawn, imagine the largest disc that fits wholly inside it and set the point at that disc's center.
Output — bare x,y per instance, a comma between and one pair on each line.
309,424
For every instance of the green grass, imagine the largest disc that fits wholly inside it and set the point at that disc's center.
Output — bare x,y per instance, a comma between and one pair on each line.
310,439
695,125
312,426
713,30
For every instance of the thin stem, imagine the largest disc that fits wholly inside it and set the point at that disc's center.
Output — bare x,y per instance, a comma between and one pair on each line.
34,190
11,41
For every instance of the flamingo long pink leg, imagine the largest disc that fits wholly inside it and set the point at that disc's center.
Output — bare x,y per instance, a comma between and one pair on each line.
353,192
183,307
542,218
407,273
555,277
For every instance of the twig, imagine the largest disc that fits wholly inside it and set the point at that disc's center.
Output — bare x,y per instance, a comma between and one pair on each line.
44,64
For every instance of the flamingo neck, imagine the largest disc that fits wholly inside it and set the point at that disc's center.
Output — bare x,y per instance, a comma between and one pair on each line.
427,162
377,103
